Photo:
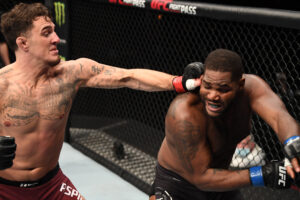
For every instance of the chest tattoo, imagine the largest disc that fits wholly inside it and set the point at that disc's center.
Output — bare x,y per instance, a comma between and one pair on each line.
23,105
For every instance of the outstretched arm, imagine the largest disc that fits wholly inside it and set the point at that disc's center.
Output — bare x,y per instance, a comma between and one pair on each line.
270,108
93,74
99,75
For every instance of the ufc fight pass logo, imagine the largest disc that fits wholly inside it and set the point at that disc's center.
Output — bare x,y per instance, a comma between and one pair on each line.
160,4
169,5
137,3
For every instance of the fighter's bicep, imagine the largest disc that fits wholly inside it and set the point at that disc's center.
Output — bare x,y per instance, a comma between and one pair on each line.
187,138
265,102
99,75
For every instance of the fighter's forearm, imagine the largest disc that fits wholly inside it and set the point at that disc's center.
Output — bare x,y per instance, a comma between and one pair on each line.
222,180
149,80
273,175
287,127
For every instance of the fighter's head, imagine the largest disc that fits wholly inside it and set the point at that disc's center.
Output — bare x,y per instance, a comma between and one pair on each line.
222,80
19,20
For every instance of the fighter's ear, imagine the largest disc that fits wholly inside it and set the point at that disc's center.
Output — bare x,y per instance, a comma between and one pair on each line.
242,83
22,43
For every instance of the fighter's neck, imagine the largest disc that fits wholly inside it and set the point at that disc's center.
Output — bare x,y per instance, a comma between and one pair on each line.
31,67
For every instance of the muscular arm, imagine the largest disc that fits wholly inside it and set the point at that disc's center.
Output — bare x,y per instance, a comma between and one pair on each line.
270,108
186,137
99,75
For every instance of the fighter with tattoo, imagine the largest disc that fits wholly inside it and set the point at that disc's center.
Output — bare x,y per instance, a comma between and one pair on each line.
202,130
36,95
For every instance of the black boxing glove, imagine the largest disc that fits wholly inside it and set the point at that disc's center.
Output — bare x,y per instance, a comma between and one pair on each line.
273,175
7,151
186,82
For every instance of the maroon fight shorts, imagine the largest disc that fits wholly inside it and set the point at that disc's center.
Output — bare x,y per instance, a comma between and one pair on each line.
53,186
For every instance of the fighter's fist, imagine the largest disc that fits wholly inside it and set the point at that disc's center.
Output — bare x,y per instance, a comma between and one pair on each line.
292,147
7,151
273,175
190,80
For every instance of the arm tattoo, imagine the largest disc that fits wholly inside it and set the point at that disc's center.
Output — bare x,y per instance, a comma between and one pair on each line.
97,69
109,72
81,66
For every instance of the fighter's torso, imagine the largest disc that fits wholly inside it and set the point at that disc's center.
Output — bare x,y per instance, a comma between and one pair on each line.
224,135
214,144
35,113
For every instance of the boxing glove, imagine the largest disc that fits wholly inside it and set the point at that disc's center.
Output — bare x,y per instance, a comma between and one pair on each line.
273,175
292,150
292,147
187,81
7,151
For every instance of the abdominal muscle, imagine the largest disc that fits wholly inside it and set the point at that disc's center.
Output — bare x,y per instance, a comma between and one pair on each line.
37,152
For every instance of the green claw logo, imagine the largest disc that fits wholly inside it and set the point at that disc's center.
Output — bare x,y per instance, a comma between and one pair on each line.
60,17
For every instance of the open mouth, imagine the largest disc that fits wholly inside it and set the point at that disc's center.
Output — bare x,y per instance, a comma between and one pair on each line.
214,107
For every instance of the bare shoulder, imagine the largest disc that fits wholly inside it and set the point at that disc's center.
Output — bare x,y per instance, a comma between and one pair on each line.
5,70
87,63
87,67
5,73
253,79
183,105
255,85
71,68
67,65
185,114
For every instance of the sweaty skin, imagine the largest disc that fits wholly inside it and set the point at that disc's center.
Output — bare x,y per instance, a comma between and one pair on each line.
37,91
202,130
195,143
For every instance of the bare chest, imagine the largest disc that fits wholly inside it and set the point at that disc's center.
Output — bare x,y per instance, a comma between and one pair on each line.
224,137
22,105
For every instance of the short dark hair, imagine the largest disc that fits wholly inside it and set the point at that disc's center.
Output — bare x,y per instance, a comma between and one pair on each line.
225,60
20,19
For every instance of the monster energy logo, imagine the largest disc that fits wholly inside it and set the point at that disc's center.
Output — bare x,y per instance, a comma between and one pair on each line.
60,17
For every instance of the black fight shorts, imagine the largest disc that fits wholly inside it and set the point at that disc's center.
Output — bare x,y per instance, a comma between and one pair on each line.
168,185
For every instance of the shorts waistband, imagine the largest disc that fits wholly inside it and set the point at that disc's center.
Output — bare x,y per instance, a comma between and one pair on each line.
170,174
30,184
166,174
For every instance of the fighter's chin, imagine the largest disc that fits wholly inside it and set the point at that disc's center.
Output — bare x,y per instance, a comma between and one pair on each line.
55,61
213,114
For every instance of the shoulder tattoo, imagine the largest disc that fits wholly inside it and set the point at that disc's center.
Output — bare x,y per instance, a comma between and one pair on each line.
187,139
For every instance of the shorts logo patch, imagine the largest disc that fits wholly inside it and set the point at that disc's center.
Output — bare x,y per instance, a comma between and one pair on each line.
69,191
